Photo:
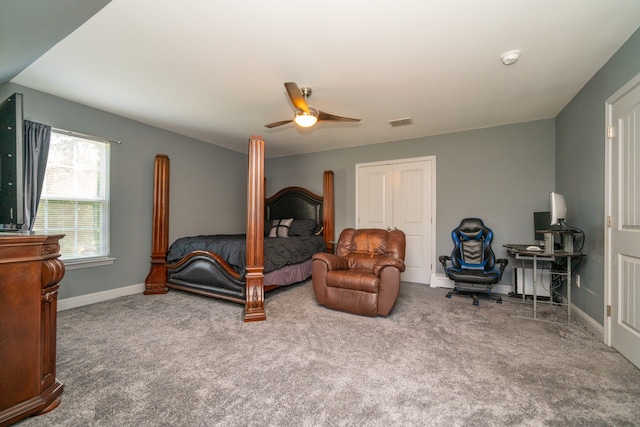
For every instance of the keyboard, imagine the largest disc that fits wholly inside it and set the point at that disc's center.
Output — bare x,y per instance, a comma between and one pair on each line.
517,247
512,248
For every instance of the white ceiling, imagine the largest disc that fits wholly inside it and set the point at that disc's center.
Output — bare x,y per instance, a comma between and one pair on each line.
214,70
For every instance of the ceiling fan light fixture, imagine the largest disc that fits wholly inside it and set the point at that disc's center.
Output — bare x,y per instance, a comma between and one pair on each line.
304,119
304,115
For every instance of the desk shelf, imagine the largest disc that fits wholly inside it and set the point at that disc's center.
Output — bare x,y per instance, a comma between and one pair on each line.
530,258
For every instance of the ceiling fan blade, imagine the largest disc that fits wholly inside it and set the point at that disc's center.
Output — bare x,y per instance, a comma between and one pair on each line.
332,117
296,96
272,125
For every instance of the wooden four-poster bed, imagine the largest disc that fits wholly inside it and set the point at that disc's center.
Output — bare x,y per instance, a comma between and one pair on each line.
205,265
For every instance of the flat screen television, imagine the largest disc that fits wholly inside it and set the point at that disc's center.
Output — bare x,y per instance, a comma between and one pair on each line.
11,163
558,208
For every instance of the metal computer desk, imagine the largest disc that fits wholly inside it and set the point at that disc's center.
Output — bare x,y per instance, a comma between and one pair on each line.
520,252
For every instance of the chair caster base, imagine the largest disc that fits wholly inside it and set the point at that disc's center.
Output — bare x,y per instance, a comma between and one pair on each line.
476,300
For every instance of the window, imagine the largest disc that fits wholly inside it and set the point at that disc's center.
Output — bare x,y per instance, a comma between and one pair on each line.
75,198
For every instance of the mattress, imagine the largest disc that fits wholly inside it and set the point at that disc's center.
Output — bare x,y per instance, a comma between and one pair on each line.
278,251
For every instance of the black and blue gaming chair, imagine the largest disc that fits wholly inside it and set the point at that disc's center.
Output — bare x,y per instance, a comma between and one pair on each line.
473,263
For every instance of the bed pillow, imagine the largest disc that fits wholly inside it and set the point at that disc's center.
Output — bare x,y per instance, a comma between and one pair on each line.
302,227
280,227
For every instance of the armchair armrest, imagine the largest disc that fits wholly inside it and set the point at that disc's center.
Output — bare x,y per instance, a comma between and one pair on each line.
443,260
503,264
388,261
332,261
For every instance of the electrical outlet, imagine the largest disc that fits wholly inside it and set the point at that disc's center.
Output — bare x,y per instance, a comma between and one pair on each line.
577,280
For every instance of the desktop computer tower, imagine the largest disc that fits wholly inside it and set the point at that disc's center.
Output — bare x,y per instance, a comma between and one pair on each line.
525,275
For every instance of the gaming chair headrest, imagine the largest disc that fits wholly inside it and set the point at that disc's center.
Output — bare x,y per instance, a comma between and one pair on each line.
472,228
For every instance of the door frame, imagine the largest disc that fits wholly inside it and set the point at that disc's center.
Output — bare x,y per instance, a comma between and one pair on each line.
608,285
434,197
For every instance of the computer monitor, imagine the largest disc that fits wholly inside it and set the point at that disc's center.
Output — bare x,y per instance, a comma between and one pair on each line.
541,221
558,208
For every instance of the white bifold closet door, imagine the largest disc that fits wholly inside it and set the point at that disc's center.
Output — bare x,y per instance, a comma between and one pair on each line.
401,194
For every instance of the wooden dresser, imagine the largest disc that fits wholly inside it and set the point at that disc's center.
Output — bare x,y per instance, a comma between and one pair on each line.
30,270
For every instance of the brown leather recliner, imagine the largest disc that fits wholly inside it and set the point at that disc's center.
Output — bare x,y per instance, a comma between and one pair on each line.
363,277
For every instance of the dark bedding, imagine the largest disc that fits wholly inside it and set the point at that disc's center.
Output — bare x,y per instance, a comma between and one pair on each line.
278,251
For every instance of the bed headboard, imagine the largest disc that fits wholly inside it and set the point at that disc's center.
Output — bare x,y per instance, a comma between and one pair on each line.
298,202
294,202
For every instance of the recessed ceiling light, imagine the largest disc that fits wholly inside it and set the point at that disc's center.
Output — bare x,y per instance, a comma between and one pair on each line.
510,57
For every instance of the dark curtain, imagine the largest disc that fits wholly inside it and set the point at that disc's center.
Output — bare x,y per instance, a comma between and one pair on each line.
36,150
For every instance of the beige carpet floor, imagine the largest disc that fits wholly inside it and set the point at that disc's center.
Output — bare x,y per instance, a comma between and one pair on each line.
184,360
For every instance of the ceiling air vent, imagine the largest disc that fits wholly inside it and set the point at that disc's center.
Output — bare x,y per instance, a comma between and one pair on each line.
401,122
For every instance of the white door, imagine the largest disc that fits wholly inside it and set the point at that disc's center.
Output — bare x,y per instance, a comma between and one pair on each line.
401,194
374,190
623,237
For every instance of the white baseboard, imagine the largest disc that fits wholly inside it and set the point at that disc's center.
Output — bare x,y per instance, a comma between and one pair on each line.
440,280
79,301
584,319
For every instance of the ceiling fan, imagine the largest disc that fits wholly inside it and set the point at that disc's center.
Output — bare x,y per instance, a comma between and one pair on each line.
306,116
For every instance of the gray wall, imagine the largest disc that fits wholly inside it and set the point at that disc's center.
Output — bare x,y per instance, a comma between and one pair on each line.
501,174
208,186
580,168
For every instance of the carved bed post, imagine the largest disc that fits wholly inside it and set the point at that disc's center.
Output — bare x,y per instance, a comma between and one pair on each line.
156,281
328,210
254,306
